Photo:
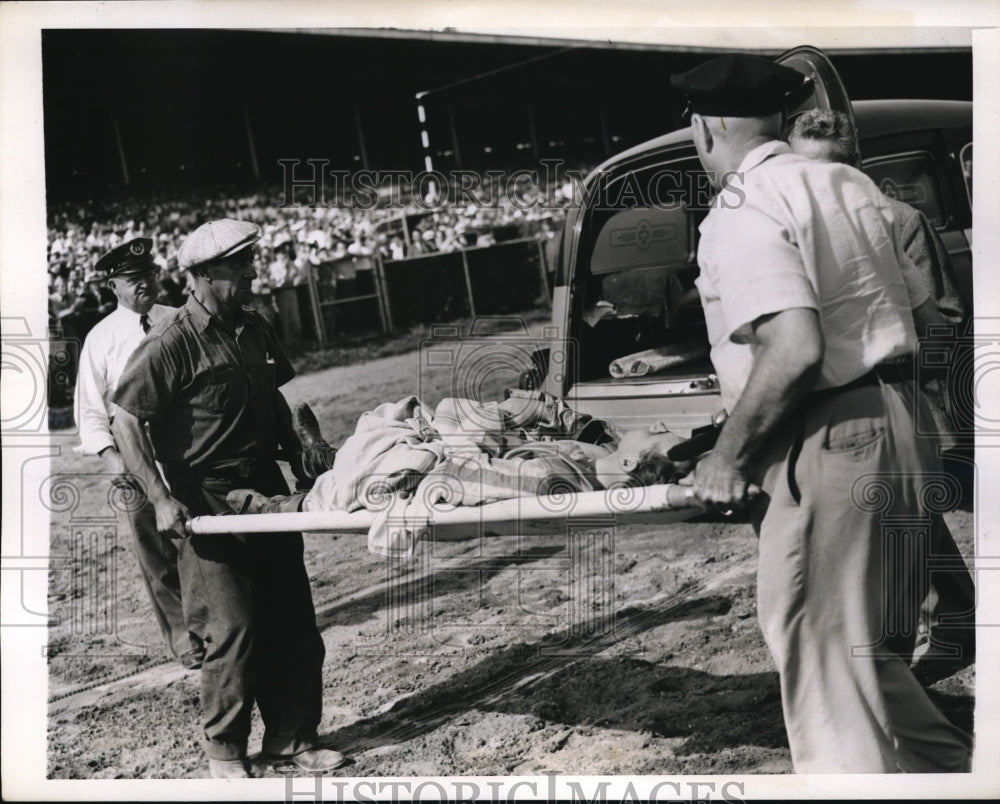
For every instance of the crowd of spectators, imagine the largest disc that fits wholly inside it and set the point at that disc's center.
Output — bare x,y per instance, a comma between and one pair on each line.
295,238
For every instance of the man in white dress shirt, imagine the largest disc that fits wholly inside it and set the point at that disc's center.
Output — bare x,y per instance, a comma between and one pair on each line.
131,275
804,280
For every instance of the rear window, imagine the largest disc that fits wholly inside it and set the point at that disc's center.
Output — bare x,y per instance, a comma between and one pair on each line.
911,178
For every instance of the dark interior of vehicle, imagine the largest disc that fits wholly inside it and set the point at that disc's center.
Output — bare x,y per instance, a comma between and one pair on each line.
649,308
639,293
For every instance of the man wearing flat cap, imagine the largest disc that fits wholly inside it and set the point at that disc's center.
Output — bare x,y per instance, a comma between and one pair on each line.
131,276
810,305
206,383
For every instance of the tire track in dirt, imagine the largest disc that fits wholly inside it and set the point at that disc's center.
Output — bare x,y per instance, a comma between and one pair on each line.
159,675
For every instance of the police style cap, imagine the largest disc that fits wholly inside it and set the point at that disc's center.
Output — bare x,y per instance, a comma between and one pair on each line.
132,257
738,85
216,240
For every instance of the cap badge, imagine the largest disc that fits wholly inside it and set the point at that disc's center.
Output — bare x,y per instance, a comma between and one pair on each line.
137,248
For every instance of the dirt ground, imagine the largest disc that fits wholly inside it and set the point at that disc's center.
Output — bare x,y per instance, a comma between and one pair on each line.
629,650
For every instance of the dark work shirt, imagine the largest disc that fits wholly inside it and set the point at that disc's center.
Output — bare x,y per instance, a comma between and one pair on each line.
206,391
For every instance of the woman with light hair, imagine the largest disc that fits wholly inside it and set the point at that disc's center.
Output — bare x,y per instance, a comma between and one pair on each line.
825,135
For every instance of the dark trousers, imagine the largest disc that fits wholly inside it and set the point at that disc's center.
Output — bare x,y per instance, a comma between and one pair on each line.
157,555
949,612
247,597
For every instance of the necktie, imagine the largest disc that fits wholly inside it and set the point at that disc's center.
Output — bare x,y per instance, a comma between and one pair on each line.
144,322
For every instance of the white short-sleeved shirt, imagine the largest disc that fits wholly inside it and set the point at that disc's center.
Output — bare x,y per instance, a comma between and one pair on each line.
801,233
105,351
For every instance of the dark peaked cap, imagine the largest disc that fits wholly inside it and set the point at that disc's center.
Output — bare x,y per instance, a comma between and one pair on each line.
132,257
739,85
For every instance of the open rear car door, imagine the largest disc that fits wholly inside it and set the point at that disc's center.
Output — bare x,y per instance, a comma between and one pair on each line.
823,88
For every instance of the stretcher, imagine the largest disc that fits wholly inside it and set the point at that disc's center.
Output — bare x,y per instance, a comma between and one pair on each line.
660,504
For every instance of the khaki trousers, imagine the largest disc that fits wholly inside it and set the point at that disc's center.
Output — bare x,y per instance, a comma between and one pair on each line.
842,532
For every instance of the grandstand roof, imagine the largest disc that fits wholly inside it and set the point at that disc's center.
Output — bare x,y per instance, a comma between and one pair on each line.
691,39
199,105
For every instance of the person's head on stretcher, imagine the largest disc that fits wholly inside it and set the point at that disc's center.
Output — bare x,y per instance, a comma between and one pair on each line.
640,459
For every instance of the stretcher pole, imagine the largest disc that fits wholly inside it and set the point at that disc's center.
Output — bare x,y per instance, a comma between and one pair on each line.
618,502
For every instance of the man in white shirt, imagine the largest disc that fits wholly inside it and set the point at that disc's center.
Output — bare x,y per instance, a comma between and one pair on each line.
803,280
131,276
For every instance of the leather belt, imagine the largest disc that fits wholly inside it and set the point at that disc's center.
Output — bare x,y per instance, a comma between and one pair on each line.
888,373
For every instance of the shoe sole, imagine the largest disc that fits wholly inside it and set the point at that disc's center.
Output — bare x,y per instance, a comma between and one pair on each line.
291,766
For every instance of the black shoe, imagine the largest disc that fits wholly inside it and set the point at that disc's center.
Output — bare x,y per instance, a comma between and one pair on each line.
193,659
317,455
938,661
312,760
307,426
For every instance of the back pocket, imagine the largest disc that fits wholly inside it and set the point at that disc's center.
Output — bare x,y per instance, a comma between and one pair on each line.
850,436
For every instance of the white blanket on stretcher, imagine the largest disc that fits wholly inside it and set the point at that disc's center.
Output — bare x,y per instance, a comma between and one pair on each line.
473,478
466,453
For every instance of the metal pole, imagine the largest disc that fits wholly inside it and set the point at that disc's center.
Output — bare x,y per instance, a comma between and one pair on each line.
543,269
361,137
468,283
251,146
454,136
380,291
121,148
387,321
425,140
317,310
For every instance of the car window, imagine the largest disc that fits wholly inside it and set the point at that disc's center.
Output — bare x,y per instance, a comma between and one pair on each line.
912,178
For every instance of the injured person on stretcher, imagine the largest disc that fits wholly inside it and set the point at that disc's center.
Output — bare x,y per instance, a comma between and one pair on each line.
470,453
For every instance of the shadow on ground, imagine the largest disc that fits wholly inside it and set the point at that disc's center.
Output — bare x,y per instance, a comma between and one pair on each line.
422,587
563,679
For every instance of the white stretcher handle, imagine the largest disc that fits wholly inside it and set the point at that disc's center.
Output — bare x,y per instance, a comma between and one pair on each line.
587,504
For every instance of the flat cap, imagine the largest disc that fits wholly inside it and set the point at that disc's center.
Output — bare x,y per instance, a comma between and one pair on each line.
739,85
216,240
132,257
